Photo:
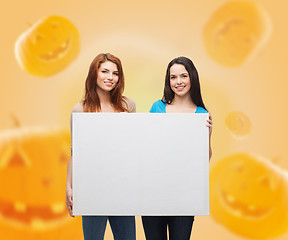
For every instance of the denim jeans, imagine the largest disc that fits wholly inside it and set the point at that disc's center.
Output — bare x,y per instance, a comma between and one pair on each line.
123,227
179,227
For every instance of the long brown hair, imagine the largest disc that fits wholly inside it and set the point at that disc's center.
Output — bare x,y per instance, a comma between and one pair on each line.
91,102
195,91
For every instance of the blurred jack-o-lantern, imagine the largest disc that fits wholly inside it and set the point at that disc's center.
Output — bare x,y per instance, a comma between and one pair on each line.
235,31
33,166
238,124
48,46
249,196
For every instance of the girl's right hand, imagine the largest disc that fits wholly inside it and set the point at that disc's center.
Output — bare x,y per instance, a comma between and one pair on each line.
69,201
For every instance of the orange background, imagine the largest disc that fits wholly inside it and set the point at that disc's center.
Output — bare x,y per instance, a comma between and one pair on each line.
146,35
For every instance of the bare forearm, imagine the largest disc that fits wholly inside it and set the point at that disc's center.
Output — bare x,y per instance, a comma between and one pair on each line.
69,173
210,149
210,153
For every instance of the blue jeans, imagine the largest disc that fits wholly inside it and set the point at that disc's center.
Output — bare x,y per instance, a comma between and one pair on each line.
123,227
179,227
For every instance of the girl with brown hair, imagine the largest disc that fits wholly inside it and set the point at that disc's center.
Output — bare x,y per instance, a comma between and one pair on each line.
103,93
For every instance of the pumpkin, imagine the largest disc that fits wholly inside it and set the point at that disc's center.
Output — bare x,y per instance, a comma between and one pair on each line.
235,31
48,46
33,165
249,196
238,124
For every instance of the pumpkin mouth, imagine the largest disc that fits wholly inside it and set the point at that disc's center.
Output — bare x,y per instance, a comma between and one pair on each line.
242,209
33,216
57,53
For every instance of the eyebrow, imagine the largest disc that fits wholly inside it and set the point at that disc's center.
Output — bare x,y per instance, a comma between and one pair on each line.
109,70
180,74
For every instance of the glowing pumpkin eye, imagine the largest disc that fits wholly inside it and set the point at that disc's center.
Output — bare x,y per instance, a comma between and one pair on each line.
36,38
14,157
16,160
39,37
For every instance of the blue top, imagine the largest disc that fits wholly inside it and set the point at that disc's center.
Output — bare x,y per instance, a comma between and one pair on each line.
160,107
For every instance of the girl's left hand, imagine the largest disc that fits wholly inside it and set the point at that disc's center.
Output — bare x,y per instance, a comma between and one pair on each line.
209,124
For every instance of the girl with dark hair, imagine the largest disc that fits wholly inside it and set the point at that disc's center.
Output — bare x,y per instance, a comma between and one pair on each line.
103,93
182,94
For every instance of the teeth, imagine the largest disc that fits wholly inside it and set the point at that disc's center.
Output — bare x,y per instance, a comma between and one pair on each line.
237,213
64,45
20,207
58,208
37,224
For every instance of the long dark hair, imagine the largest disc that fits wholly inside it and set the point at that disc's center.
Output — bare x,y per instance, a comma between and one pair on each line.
91,102
195,91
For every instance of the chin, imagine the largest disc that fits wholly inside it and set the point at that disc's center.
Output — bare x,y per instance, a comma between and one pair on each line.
181,94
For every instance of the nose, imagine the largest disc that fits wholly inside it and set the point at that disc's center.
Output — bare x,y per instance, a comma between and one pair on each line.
110,76
179,81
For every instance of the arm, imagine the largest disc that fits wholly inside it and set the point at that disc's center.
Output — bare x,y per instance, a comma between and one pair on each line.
210,133
69,189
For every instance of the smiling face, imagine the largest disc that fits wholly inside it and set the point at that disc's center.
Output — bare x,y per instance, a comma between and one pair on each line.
107,76
32,173
48,47
247,195
179,80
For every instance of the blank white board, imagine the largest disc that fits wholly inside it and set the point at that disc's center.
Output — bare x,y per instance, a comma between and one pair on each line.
140,164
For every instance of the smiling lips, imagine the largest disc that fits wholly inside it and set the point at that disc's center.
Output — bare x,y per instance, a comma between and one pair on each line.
242,209
32,216
180,88
108,84
57,53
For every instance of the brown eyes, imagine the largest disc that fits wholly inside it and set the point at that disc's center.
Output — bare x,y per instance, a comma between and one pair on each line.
182,76
115,73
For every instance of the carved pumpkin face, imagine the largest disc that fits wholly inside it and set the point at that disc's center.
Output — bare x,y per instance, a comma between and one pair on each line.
48,47
249,196
32,191
238,124
234,31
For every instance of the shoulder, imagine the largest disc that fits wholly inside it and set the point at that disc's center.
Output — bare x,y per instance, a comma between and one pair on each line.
201,110
131,105
78,108
158,106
